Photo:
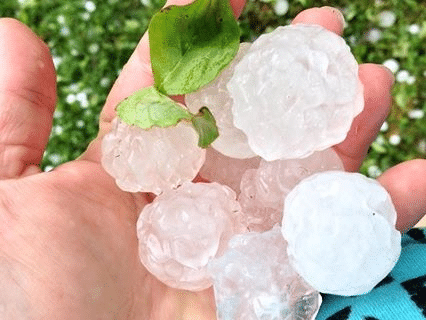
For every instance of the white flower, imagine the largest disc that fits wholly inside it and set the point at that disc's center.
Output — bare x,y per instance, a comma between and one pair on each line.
146,3
71,98
85,16
281,7
385,127
73,87
374,35
90,6
104,82
94,48
392,65
374,171
48,168
82,98
55,158
402,76
65,31
380,140
411,80
58,130
57,61
414,29
421,147
58,114
395,139
60,19
80,123
74,52
387,19
416,114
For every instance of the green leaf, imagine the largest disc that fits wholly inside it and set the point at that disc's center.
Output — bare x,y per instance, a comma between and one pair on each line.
190,45
205,125
148,107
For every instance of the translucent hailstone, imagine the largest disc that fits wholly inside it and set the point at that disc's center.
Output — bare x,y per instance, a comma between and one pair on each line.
296,91
232,142
263,190
253,280
340,229
151,160
183,229
226,170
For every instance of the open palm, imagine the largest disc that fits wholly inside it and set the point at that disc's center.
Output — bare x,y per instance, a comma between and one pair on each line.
68,246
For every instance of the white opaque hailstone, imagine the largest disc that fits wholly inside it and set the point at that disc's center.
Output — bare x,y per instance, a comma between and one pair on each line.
340,229
253,280
296,91
263,190
183,229
151,160
226,170
232,142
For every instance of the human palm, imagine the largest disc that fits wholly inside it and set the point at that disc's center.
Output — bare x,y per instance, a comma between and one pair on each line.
68,245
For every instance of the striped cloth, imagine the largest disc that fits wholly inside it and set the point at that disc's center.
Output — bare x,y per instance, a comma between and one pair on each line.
400,296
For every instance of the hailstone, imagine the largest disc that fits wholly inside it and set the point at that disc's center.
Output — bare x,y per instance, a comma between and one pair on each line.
183,229
340,229
296,91
231,142
151,160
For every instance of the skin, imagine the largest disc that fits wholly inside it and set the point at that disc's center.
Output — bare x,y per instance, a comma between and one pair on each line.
68,246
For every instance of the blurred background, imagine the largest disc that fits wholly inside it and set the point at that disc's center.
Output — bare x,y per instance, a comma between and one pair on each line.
91,40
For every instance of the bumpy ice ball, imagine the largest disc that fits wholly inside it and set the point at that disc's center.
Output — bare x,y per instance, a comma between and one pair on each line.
296,91
340,229
231,142
151,160
183,229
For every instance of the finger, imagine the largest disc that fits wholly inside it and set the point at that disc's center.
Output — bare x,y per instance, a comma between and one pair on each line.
328,17
27,99
378,82
406,183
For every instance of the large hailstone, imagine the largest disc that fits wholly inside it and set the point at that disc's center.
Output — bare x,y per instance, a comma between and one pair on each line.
231,142
183,229
296,91
151,160
254,280
340,229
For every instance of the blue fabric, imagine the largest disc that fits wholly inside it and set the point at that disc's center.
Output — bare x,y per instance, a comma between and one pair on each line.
400,296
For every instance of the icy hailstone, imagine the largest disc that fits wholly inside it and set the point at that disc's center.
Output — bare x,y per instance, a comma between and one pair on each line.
263,190
232,142
183,229
254,280
296,91
151,160
340,229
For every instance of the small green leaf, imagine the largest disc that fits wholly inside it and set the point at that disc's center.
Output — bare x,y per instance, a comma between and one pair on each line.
190,45
148,107
205,125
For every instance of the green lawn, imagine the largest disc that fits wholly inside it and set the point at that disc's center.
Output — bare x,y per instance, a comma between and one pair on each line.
91,40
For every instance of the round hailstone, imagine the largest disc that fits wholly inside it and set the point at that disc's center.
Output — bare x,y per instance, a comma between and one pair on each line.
340,229
183,229
263,190
231,142
296,91
151,160
254,280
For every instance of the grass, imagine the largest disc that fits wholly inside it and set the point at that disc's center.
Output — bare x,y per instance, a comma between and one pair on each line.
91,41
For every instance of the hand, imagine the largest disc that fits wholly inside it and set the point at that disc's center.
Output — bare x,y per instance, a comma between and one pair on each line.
68,238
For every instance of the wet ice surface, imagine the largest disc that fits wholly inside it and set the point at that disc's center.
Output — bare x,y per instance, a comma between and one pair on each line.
341,234
151,160
254,280
183,229
296,91
263,190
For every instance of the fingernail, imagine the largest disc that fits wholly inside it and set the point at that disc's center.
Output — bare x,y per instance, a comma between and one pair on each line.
337,13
